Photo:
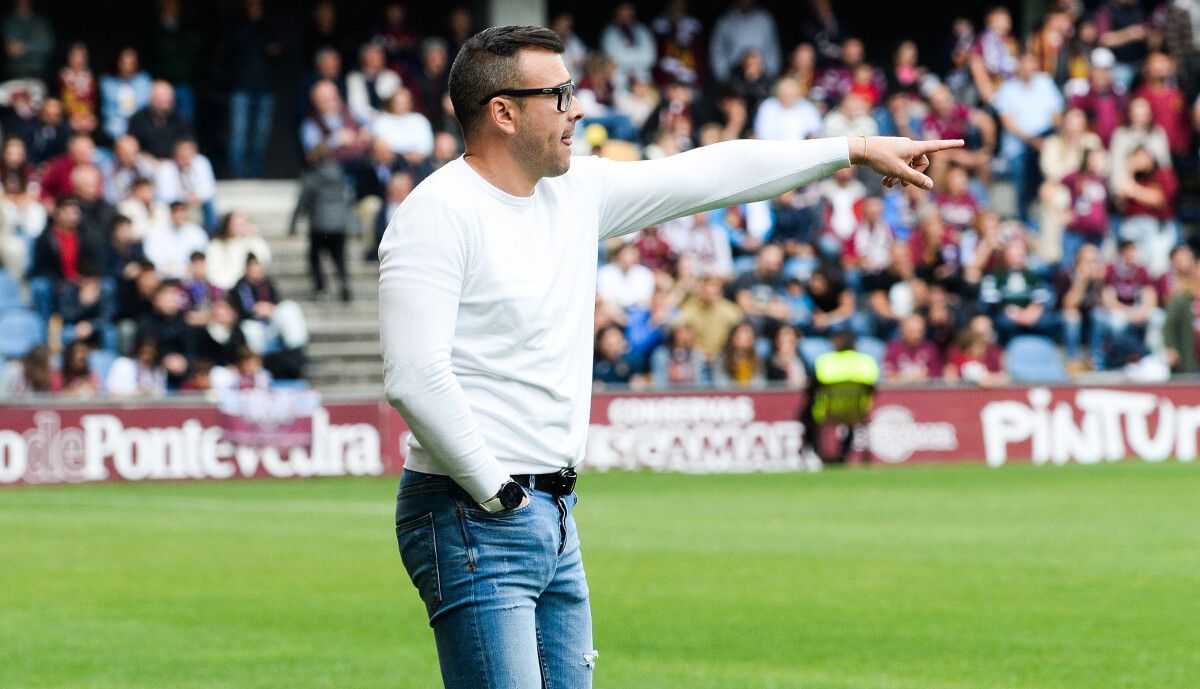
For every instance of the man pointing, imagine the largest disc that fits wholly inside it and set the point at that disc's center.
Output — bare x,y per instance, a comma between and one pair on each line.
487,290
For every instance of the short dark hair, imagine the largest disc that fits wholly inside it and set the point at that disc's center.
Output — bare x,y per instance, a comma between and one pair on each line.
488,63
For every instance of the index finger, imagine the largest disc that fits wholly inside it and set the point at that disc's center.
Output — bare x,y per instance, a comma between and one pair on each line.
938,145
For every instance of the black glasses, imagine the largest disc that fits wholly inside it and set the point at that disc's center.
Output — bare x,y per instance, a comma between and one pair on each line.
564,92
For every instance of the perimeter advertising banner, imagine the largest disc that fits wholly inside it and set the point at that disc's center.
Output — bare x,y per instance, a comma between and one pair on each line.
692,432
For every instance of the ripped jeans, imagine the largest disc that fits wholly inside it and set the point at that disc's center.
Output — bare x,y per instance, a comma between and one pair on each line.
505,593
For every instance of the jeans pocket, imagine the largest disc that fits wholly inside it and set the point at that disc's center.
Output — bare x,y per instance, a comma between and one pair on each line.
417,539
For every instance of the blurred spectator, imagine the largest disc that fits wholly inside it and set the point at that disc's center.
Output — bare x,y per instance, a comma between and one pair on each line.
372,85
958,207
707,244
787,116
653,251
75,377
948,119
1087,209
400,42
1127,304
576,54
20,105
739,364
1017,298
124,168
992,59
219,339
640,102
236,239
1029,105
167,326
1180,328
159,126
246,372
28,42
326,31
126,252
756,290
1049,44
77,83
142,209
199,293
630,46
1145,196
784,365
170,246
327,201
399,187
710,316
1181,39
1122,28
624,282
871,250
1140,132
943,319
852,117
647,327
750,82
254,48
333,126
123,92
188,176
58,172
141,375
1062,154
975,358
679,362
56,256
910,357
743,29
429,83
88,307
50,132
460,26
832,299
1167,102
674,116
1080,286
802,67
135,294
680,45
405,132
893,292
851,75
174,54
96,214
1104,102
611,366
842,195
1183,265
29,375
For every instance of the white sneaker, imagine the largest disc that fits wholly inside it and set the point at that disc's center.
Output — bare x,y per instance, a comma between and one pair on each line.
810,461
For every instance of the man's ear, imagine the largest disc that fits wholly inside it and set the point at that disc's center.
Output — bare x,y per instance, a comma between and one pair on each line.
503,113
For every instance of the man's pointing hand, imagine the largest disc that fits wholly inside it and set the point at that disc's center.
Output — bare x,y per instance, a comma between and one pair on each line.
898,159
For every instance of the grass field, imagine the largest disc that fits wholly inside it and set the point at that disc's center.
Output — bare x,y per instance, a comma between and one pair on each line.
921,578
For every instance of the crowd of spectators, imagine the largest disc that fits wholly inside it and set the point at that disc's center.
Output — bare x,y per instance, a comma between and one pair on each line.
1065,217
117,274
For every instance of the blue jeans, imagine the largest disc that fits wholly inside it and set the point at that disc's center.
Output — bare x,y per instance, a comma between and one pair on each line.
249,130
505,593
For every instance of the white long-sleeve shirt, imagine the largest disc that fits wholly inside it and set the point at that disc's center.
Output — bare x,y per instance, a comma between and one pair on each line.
486,300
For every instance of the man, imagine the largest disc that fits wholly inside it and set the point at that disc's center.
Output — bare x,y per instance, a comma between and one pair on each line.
170,246
1029,105
487,288
188,176
159,125
911,357
840,391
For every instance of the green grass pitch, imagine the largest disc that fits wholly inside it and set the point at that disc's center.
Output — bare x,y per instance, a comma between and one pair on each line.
908,578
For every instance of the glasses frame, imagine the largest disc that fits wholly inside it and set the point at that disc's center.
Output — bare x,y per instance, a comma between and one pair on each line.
544,91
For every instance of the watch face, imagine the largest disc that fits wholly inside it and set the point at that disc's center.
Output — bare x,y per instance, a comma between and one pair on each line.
511,495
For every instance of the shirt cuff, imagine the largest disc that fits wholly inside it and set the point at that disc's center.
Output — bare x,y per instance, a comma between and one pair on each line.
485,482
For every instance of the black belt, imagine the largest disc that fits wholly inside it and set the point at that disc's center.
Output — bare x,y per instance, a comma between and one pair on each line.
561,482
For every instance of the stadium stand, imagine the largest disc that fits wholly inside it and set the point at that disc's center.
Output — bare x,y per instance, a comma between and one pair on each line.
1078,135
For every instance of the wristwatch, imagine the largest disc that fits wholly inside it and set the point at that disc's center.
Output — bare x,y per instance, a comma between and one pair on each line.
511,494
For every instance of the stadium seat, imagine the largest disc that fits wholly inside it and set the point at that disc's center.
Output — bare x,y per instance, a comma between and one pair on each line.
10,292
20,331
872,346
813,347
762,347
1035,359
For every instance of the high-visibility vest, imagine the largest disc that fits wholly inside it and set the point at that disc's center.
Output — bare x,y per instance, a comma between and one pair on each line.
843,393
847,367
